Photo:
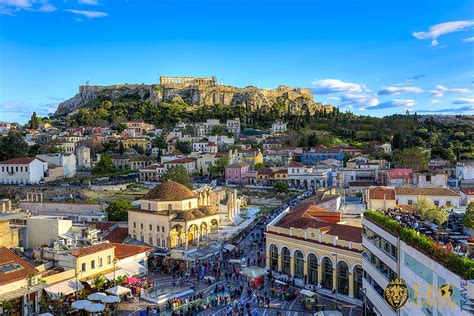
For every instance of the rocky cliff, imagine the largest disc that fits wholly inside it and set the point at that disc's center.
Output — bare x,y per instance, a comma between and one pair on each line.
298,99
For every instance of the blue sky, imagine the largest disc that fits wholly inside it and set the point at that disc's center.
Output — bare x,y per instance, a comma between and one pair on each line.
370,57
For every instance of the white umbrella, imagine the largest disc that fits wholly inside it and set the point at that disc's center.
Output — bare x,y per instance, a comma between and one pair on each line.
118,290
253,272
95,308
81,304
96,296
46,314
110,299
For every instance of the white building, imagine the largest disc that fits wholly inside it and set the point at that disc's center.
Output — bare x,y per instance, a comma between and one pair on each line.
83,156
67,161
188,163
437,196
22,171
279,126
465,170
42,230
386,148
208,147
430,180
222,140
386,257
233,126
301,176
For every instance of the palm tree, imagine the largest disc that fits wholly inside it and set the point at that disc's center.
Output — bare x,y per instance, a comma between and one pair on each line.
99,282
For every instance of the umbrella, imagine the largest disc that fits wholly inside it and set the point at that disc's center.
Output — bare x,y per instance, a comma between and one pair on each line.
253,272
131,280
110,299
81,304
118,290
46,314
95,308
96,296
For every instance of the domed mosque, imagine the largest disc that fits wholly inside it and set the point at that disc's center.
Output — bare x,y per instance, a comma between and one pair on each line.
171,215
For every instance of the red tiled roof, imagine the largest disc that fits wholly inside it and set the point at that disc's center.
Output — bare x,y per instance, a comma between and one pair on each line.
182,160
305,216
211,144
124,250
20,161
81,252
118,235
379,193
102,226
400,173
9,257
294,164
425,191
238,165
467,191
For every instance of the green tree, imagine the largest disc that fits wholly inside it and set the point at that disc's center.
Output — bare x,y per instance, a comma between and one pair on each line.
13,146
218,130
34,121
159,142
99,282
184,147
121,148
469,216
104,166
178,174
281,186
117,210
415,158
258,166
218,168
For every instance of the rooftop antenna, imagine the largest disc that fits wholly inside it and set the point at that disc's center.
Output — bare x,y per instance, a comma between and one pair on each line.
87,82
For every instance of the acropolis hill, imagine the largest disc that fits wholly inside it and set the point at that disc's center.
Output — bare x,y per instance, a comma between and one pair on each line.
197,92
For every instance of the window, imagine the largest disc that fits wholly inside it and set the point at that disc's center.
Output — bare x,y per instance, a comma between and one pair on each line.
163,229
109,259
410,202
151,227
428,178
134,225
149,206
448,203
83,268
230,171
436,203
236,171
150,240
189,205
141,225
100,262
93,264
157,228
16,169
170,207
163,243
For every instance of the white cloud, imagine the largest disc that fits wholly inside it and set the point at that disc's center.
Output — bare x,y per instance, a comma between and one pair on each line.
464,101
468,40
395,103
89,14
441,29
89,2
398,90
360,101
19,4
48,7
465,109
455,90
327,86
436,101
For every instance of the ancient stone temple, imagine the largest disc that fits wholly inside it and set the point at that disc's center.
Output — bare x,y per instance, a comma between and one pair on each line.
171,216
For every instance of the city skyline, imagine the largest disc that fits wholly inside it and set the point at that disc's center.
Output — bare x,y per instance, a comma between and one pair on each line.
370,58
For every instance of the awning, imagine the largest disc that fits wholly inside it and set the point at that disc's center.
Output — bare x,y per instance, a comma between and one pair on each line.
229,247
133,268
21,292
118,273
307,293
118,290
64,288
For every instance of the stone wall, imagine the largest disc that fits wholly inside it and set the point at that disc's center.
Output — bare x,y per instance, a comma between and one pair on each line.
60,208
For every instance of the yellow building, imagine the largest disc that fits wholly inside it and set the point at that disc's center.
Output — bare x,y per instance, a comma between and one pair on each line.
171,216
311,245
140,142
93,260
251,156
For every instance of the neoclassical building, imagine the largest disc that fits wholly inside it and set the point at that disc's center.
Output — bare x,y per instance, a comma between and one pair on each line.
171,215
313,246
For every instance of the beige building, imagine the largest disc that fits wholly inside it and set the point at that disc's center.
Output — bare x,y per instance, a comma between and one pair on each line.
90,261
171,216
311,245
381,198
42,230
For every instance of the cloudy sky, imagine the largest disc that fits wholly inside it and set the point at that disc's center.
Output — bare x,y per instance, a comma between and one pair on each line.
370,57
